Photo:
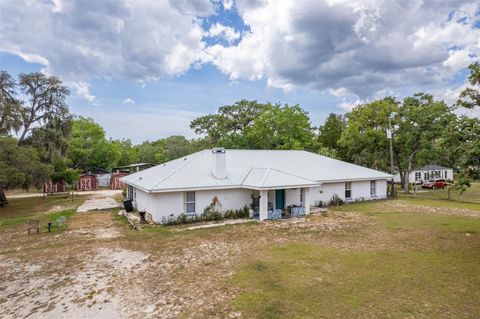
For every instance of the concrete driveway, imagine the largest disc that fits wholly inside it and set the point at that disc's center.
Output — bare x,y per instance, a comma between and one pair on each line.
100,201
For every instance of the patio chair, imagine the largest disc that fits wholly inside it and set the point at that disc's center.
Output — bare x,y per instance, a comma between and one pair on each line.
33,224
61,222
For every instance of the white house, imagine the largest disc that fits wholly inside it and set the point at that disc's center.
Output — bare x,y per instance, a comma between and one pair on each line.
428,172
262,179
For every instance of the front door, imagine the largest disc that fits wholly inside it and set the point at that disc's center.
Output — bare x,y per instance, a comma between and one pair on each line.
279,199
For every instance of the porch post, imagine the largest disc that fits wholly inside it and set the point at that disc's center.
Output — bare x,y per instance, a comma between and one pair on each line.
263,209
306,200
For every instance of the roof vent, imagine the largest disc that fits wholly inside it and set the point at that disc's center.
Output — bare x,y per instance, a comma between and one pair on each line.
219,168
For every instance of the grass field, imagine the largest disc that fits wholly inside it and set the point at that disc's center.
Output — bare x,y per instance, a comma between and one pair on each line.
472,194
413,257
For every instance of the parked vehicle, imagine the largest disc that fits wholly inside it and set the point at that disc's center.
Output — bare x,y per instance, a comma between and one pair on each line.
435,183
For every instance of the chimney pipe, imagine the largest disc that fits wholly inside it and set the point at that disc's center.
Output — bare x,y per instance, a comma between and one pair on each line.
219,168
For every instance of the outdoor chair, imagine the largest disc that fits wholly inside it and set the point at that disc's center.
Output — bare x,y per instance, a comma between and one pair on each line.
33,224
275,214
62,222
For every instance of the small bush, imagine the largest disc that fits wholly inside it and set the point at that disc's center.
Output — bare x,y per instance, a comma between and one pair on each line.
229,214
182,218
336,201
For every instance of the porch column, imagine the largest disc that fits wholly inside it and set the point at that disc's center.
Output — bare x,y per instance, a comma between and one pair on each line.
306,200
263,209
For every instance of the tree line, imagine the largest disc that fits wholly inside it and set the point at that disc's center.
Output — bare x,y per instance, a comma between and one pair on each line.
40,140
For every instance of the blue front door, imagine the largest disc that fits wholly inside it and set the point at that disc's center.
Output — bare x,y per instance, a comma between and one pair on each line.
279,199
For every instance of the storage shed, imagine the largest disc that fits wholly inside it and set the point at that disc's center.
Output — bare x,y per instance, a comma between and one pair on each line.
87,182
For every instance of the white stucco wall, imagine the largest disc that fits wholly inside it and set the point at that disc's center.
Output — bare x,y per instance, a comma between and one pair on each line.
163,204
360,190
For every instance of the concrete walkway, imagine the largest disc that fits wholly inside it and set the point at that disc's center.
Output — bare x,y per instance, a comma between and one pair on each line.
100,201
228,222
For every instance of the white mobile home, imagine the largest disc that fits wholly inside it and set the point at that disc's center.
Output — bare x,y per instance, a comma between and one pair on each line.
261,179
428,172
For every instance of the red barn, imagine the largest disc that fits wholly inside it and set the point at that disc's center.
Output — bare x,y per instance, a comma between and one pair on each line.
87,182
115,182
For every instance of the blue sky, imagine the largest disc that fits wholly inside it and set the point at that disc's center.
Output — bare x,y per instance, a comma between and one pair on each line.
144,70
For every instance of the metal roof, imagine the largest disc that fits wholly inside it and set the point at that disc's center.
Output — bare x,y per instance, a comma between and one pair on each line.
249,169
432,167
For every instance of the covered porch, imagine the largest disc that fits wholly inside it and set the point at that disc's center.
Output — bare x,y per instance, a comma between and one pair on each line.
277,194
281,203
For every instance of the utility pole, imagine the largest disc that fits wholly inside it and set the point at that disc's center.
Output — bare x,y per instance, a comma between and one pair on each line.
390,137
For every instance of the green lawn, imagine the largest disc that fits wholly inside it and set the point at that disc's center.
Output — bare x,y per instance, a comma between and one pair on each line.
472,194
20,210
404,265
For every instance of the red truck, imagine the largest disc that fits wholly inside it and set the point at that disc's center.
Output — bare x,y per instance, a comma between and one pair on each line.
435,183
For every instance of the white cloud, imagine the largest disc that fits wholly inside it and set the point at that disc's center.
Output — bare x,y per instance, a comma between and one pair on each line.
83,90
128,101
228,4
352,49
363,46
138,40
226,32
340,92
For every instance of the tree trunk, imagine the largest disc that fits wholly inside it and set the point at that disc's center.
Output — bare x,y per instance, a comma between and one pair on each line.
3,198
406,183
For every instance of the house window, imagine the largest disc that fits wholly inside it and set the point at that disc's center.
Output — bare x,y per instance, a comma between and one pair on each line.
301,195
426,176
373,188
348,190
418,176
446,175
189,202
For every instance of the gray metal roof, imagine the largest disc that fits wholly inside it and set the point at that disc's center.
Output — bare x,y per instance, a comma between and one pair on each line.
432,167
249,169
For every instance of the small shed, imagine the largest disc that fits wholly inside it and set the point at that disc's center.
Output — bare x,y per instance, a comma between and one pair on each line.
132,168
54,187
115,182
87,182
102,176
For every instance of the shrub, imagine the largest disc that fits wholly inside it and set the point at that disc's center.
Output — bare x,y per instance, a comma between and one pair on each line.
336,201
182,219
229,214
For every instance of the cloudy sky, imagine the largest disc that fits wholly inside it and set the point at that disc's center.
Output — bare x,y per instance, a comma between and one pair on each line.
145,69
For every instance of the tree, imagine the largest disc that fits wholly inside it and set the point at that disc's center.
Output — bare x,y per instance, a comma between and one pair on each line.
280,127
10,107
461,144
364,141
20,166
470,97
88,146
420,121
45,101
227,127
330,132
461,184
176,146
128,153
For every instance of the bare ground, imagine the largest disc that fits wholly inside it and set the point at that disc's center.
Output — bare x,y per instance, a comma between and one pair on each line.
101,269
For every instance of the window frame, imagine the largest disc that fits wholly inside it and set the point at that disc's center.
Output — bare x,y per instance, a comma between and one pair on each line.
187,202
348,189
374,188
301,196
